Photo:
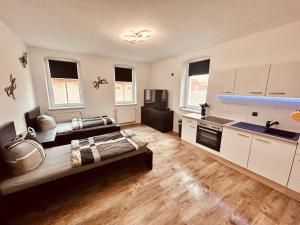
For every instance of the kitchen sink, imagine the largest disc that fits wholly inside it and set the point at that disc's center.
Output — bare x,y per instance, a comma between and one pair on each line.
281,133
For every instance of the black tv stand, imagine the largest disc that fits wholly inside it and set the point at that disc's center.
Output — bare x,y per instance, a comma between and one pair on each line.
159,119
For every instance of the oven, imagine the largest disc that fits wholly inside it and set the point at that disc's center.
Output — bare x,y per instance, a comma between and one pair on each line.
209,137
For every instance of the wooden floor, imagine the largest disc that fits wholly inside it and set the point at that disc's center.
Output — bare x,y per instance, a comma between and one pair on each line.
184,187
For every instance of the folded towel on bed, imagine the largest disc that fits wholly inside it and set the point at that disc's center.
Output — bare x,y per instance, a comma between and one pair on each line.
102,147
80,123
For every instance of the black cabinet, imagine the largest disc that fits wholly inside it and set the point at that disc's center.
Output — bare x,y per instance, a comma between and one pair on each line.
158,119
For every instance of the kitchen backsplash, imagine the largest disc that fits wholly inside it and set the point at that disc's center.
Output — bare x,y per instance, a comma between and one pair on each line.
243,110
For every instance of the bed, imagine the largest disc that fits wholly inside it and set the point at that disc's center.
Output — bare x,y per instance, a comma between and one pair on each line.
56,165
64,132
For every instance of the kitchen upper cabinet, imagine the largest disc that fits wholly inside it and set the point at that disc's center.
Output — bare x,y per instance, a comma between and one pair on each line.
271,158
284,80
221,83
294,182
235,146
251,80
189,130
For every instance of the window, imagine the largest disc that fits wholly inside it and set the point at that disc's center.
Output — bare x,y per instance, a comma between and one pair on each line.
64,88
196,84
124,86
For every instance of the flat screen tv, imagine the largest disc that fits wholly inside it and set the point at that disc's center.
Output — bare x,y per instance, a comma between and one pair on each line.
156,98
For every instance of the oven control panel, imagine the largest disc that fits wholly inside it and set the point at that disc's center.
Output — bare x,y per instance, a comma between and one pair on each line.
212,126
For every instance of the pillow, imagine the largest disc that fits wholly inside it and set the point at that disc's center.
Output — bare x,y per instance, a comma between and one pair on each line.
45,122
23,154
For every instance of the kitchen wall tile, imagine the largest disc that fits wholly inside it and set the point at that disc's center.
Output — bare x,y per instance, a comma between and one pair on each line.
284,112
242,111
289,124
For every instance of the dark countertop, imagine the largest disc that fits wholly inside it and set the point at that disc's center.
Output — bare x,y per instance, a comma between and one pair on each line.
292,136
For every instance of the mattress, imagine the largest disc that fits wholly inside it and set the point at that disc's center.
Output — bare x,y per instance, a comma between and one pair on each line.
63,128
56,165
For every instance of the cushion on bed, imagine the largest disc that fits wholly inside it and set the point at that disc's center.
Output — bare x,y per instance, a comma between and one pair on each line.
23,154
45,122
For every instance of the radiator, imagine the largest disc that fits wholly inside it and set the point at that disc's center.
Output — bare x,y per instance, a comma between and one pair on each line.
125,115
60,117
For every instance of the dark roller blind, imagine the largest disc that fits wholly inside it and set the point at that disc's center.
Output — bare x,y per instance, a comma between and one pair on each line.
63,69
123,74
198,68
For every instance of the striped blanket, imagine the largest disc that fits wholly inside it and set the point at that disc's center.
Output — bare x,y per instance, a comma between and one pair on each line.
102,147
80,123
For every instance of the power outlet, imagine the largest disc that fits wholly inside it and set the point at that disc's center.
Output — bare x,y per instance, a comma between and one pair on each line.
254,113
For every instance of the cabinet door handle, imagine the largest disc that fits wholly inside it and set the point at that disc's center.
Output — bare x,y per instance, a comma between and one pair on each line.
262,140
243,135
193,127
255,92
227,92
277,93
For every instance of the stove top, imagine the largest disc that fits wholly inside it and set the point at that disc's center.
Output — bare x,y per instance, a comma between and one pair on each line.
217,120
213,123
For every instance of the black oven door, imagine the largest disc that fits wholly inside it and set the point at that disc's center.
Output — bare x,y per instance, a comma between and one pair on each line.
209,138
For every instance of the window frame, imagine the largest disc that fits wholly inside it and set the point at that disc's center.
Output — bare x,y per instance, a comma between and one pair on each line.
186,84
50,92
134,96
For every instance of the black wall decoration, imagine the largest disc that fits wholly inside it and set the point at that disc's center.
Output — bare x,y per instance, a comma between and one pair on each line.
98,82
10,90
23,59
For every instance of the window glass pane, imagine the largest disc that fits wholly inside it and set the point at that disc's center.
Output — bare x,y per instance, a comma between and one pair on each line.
197,90
73,91
59,91
119,90
128,92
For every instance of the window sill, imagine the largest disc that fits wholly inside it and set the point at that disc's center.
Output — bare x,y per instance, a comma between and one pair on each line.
190,110
125,104
67,107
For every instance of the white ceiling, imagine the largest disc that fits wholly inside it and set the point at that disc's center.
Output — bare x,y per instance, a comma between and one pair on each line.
179,26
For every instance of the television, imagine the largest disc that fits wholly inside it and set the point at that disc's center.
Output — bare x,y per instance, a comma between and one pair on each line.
156,98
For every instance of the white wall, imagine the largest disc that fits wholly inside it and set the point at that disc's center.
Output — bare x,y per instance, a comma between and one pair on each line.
98,102
280,44
11,48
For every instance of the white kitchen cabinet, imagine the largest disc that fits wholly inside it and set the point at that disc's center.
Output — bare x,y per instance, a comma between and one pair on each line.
221,83
235,146
189,130
284,80
271,158
294,181
251,81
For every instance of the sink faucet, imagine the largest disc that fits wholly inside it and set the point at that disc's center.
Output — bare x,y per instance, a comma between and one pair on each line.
270,123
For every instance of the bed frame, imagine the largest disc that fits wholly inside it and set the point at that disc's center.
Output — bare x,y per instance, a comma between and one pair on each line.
66,138
57,165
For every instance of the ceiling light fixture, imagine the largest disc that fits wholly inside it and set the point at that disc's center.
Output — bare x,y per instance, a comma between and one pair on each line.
135,37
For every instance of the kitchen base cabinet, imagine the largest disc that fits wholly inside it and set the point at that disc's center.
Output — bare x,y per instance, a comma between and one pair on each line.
189,130
271,158
235,146
294,181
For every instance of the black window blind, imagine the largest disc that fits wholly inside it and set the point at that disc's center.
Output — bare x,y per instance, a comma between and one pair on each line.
63,69
123,74
199,67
